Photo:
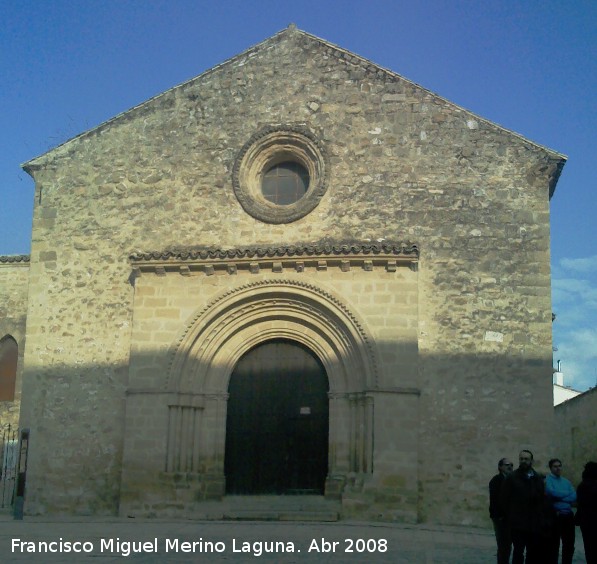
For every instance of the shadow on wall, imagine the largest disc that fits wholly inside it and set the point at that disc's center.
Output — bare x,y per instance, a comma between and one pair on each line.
576,425
434,435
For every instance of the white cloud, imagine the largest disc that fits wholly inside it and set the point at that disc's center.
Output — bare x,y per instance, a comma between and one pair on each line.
587,264
567,290
578,353
574,297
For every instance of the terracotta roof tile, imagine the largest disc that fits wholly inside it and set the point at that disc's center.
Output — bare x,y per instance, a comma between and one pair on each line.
7,259
318,249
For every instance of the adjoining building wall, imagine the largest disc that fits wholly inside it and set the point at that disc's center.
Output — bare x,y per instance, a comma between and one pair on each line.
576,424
562,394
14,284
400,164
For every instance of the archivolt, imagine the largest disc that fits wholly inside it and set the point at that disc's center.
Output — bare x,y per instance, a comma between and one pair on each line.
213,341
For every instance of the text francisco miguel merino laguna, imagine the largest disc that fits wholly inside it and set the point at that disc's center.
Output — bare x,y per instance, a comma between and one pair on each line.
256,548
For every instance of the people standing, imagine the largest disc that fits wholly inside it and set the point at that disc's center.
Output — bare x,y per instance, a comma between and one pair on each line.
501,527
523,500
561,496
586,514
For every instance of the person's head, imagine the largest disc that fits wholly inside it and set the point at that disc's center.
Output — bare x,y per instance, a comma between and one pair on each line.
590,471
505,466
555,466
525,459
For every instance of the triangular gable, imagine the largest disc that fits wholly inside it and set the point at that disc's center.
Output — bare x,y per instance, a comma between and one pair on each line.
340,54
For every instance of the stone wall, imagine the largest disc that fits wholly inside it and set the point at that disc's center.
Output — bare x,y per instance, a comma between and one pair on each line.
404,164
14,278
576,424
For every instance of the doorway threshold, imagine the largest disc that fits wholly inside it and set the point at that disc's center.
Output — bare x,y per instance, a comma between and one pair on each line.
312,508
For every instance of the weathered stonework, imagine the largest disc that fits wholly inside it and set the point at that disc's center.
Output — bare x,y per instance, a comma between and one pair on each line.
428,352
14,278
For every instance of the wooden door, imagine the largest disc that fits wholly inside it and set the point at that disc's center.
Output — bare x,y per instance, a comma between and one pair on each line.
277,422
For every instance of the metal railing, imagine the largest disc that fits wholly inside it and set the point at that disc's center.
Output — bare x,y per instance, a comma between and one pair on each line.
9,451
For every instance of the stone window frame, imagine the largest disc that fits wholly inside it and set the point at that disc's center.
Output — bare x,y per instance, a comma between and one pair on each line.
270,146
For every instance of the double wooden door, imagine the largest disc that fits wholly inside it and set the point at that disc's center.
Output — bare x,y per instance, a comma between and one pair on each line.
277,422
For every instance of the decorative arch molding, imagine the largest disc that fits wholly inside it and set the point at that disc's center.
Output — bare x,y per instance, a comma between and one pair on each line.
219,334
214,339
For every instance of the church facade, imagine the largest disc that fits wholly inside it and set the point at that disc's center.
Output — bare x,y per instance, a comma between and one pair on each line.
296,274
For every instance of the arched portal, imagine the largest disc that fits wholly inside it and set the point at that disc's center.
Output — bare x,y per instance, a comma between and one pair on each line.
219,335
277,422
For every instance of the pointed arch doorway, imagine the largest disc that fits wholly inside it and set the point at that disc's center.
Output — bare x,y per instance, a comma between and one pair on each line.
277,422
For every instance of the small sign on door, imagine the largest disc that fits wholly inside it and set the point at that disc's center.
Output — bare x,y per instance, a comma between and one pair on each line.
305,411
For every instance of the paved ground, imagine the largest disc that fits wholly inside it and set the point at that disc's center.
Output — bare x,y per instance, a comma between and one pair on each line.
109,541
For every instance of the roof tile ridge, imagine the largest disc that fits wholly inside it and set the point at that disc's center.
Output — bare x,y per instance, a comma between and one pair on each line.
7,259
262,251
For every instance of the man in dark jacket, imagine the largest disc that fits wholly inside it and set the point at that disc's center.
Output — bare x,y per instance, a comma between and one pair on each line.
496,512
523,501
587,511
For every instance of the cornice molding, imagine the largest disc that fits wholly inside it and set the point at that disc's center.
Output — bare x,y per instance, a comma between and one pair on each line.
321,256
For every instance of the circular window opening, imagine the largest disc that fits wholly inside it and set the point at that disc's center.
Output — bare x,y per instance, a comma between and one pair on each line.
285,183
280,174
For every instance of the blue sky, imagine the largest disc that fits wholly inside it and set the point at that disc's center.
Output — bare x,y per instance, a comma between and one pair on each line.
530,66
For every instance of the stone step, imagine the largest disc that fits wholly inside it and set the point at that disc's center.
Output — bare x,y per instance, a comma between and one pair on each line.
256,515
273,508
